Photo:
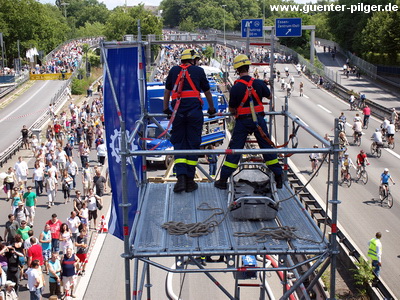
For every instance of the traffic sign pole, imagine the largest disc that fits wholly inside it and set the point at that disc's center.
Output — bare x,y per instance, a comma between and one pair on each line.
248,39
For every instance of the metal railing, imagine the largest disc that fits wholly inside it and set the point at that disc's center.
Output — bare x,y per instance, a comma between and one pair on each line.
367,68
19,81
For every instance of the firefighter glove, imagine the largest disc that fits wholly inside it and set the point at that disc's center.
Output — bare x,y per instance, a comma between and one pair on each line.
211,111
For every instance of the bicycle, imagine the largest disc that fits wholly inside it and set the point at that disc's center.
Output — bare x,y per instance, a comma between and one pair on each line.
362,174
346,178
385,194
376,149
357,138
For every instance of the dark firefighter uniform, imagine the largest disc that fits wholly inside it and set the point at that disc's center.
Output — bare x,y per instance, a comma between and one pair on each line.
187,125
245,89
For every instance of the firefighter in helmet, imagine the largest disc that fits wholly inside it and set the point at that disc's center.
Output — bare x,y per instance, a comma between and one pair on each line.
183,85
246,103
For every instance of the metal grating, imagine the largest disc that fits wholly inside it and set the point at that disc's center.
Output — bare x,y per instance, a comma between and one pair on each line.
161,205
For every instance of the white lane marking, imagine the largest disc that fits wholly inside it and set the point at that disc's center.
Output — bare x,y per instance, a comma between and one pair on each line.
305,96
348,124
29,99
325,109
393,153
302,121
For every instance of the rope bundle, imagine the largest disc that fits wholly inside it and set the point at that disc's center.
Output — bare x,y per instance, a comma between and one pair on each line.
279,233
196,229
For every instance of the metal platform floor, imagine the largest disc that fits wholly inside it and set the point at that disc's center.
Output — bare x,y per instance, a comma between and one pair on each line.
149,239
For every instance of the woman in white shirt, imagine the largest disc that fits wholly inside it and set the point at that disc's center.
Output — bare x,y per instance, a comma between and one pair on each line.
38,174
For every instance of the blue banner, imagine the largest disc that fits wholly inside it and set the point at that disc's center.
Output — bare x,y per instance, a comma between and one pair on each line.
124,66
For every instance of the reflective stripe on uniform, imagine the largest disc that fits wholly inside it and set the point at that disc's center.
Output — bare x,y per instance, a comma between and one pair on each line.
271,162
230,165
180,161
191,162
185,161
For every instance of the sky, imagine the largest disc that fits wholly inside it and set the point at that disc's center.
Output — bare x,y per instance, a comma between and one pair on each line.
111,4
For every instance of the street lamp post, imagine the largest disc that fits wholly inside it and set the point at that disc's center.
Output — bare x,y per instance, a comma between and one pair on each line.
263,19
223,6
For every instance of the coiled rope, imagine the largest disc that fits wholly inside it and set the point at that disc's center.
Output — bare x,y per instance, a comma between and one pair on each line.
199,228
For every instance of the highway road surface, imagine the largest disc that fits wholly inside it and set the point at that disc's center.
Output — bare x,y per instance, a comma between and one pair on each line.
24,108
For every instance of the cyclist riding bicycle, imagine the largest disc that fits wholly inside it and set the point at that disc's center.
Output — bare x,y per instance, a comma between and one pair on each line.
288,89
357,117
342,122
283,84
357,127
367,114
362,99
362,160
384,125
301,87
352,101
377,138
385,176
314,157
298,68
292,81
390,131
394,116
287,71
345,164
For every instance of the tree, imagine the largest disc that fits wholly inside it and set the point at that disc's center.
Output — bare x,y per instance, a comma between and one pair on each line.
187,25
381,36
33,24
346,26
90,29
121,23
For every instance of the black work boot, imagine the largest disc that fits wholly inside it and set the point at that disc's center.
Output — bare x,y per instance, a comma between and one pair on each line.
191,185
221,184
180,185
278,181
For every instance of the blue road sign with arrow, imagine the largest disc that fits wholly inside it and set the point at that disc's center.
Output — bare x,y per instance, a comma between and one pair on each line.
255,27
288,27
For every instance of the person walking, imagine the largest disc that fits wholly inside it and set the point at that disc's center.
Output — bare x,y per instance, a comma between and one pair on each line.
69,265
9,182
91,200
25,137
375,253
30,200
38,176
55,275
99,182
51,188
246,103
35,280
73,169
55,225
22,171
45,242
185,83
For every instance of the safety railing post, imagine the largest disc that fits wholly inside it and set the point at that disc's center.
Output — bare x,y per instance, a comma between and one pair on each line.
334,202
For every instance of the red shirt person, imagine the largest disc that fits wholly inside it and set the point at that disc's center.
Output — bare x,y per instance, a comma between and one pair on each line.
35,252
55,225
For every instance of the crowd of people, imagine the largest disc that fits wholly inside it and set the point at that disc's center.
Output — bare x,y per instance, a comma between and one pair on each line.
66,59
57,248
